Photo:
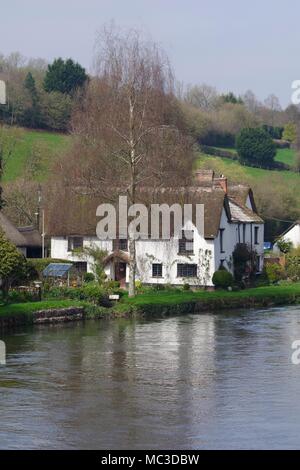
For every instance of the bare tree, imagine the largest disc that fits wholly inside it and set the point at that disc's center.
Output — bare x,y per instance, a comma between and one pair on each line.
251,102
202,96
127,126
273,105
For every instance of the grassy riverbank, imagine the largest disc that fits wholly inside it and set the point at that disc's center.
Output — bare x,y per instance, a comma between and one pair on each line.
278,293
29,308
167,303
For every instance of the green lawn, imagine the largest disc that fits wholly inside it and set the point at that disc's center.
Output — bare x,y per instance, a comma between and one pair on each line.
286,156
243,173
171,298
50,144
30,307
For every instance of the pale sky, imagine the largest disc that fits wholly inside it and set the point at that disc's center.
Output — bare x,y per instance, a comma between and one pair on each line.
230,44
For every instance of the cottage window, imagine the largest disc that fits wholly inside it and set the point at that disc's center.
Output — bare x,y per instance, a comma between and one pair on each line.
244,233
81,267
75,243
186,244
256,235
120,244
222,240
186,270
156,270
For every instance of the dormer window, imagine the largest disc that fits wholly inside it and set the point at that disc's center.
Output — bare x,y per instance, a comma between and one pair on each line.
75,243
186,243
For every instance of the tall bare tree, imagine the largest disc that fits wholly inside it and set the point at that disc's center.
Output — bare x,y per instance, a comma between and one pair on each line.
127,126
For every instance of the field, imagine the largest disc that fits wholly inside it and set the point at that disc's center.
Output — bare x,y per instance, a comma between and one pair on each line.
48,144
245,173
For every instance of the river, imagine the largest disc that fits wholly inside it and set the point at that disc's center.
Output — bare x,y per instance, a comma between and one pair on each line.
207,381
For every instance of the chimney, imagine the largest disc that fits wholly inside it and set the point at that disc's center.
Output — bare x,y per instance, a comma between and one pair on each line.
205,177
222,182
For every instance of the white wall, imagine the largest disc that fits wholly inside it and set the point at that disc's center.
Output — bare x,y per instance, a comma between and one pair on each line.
166,253
59,249
293,235
232,235
206,254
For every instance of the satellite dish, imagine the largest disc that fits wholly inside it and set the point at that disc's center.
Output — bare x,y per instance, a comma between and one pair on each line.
2,92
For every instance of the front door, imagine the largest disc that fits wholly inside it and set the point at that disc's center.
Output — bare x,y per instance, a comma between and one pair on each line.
120,273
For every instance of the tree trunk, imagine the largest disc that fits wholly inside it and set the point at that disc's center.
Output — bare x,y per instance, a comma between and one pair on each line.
132,266
131,238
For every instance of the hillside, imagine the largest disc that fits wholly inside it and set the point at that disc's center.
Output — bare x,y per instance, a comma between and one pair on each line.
36,149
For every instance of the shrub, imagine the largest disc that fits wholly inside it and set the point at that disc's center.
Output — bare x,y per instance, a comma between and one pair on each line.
293,267
186,287
275,272
255,147
90,292
222,279
138,285
88,277
284,246
111,285
17,296
290,132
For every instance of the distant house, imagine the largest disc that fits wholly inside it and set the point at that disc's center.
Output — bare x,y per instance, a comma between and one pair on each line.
292,234
230,218
27,239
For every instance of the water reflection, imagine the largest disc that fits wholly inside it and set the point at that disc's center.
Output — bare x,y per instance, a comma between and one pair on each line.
198,381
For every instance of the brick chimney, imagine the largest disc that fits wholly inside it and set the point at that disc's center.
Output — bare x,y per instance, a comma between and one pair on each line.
205,177
221,182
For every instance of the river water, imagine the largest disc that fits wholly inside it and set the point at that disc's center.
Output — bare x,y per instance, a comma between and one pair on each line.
188,382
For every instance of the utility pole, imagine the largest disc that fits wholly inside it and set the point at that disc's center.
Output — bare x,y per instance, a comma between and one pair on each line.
40,220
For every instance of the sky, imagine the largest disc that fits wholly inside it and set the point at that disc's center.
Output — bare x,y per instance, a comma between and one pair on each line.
234,45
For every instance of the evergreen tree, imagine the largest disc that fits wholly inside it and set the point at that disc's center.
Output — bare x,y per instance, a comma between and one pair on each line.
255,147
64,76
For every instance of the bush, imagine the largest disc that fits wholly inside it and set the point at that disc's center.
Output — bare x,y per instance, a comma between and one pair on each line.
293,267
222,279
88,277
284,246
186,287
255,147
17,296
90,292
275,272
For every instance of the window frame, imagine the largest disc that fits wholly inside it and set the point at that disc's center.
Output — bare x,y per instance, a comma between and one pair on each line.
160,266
183,242
187,266
222,231
73,246
256,232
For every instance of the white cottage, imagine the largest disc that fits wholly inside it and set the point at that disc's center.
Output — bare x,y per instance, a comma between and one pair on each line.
230,217
292,234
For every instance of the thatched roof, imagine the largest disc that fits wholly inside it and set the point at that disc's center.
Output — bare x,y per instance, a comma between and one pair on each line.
73,215
118,256
79,216
11,232
32,236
